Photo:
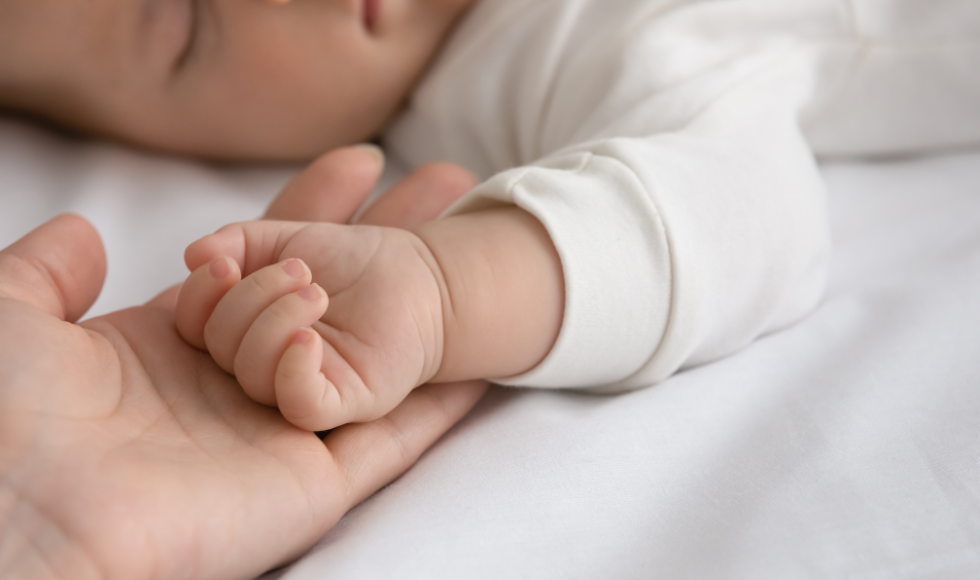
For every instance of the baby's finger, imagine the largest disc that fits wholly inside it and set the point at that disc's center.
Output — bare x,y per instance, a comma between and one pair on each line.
325,397
267,339
253,245
243,304
303,394
200,294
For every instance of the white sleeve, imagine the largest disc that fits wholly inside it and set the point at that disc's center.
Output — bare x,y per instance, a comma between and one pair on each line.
681,247
695,219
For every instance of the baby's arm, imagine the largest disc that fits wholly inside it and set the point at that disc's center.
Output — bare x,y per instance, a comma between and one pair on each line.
502,292
476,295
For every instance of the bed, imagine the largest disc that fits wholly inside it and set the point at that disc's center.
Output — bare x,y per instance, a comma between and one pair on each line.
847,446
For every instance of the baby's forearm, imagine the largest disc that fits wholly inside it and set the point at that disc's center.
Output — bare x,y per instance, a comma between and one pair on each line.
503,292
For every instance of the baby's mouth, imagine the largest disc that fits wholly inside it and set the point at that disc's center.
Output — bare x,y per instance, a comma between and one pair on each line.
371,13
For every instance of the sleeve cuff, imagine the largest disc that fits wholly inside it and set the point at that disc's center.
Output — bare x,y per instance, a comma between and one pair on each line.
616,263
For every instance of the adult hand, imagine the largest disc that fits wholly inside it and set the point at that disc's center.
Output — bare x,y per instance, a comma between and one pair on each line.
334,186
125,453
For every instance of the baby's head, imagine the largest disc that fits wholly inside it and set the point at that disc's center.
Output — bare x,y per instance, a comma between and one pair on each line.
225,79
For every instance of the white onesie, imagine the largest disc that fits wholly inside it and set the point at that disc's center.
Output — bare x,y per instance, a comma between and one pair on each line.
668,146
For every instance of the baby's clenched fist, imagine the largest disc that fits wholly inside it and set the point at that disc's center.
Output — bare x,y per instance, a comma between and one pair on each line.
333,324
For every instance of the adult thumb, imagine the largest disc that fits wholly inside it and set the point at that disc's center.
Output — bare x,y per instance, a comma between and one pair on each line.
59,267
331,188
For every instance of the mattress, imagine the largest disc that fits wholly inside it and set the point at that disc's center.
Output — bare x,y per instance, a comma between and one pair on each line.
847,446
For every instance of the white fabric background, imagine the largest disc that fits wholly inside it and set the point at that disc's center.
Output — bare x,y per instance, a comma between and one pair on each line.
845,447
147,209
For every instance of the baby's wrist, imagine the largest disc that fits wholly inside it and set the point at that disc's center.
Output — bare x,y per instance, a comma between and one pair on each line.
437,302
501,292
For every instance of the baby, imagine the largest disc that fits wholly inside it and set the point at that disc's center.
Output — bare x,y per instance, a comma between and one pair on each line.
650,197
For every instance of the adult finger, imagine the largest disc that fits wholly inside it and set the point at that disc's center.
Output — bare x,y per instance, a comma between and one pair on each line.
331,188
59,267
420,197
167,298
370,455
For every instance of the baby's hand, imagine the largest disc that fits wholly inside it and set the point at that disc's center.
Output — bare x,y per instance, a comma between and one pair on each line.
323,366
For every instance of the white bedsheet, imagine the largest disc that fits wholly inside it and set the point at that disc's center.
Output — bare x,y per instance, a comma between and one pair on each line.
845,447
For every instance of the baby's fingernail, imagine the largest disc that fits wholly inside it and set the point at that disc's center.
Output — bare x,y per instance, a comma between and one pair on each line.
219,268
304,336
295,268
374,151
313,293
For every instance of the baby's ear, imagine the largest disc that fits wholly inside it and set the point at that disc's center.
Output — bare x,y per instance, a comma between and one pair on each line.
332,188
59,267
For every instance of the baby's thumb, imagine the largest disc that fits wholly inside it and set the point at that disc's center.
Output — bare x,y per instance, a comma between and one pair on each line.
59,267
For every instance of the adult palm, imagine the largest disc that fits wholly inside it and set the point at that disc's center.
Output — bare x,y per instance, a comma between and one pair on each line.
126,453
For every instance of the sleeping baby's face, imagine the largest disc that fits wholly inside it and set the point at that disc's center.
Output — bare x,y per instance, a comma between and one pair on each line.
231,79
